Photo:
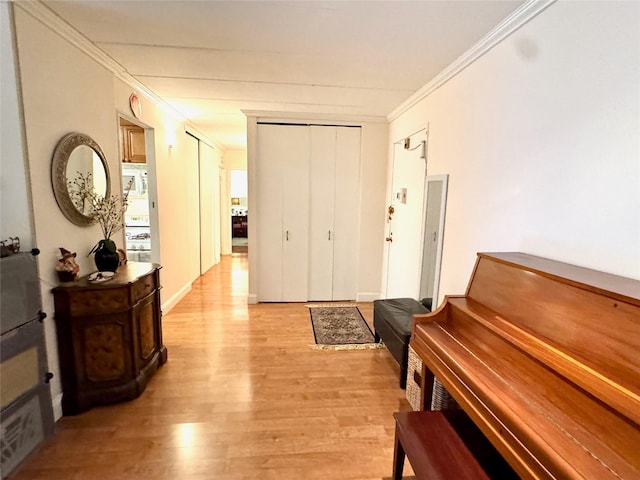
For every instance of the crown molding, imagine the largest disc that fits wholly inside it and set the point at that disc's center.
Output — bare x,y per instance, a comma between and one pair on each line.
524,14
47,17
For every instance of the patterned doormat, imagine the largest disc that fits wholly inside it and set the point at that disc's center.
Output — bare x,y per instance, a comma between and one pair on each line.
340,327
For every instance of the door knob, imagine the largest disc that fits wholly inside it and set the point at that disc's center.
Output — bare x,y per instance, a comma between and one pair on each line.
391,210
389,238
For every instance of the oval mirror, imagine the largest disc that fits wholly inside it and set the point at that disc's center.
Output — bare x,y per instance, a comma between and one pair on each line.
78,162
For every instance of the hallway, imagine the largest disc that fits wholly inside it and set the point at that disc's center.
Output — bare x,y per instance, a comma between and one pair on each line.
242,396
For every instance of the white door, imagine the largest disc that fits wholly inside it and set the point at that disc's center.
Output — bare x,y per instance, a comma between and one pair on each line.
334,207
404,230
347,214
282,168
321,211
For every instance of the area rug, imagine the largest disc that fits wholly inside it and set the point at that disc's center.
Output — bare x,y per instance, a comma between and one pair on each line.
340,327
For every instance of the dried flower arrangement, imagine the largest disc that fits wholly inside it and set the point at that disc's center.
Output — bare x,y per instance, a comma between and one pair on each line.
106,211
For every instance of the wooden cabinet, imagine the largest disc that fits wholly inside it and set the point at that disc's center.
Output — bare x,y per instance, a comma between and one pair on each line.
239,226
109,336
133,144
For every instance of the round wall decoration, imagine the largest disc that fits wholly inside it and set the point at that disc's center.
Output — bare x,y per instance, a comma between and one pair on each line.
134,103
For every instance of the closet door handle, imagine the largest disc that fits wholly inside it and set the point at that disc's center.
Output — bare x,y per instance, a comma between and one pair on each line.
287,235
329,234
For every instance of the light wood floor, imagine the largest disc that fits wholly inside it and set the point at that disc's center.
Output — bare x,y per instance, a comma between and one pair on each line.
242,396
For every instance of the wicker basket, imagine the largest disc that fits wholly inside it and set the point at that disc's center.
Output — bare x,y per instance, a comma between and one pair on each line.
441,399
413,390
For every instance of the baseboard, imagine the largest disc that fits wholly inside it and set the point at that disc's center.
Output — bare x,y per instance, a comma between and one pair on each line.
368,296
173,301
252,298
56,403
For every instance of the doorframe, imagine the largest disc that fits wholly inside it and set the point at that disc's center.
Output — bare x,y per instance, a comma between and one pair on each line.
444,178
152,185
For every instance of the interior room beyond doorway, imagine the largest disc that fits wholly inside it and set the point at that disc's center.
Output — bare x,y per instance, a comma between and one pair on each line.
239,211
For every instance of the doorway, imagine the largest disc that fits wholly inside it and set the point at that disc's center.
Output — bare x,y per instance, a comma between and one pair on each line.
404,233
239,211
137,166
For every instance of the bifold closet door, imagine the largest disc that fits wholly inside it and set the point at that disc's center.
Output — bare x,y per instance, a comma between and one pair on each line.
347,214
322,168
334,207
283,212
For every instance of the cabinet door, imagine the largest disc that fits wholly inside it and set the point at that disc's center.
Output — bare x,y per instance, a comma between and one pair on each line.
283,212
134,150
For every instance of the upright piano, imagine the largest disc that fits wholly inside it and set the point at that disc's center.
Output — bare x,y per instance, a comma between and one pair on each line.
544,358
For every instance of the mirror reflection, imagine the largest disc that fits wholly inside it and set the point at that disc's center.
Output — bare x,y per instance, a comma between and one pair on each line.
78,165
84,165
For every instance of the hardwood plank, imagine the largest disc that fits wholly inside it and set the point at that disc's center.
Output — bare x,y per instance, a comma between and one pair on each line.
242,396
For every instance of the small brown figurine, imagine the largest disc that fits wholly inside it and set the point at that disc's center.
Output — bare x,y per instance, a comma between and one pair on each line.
67,267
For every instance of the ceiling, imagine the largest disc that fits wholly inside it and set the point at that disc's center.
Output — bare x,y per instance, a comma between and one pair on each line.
210,59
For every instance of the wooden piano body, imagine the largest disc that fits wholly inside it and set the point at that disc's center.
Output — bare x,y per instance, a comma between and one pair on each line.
544,357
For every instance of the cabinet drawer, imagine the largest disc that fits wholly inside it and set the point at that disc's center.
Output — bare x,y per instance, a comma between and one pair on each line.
92,302
144,286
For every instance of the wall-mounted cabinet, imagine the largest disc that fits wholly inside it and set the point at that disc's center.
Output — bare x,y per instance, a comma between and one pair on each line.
133,144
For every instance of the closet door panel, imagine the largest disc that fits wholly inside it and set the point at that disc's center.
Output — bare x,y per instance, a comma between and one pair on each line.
271,147
295,208
322,197
346,218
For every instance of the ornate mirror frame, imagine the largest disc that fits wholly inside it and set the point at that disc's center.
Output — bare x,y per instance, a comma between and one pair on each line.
59,179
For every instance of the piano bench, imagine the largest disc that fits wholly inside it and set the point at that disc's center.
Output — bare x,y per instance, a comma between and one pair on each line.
392,323
433,447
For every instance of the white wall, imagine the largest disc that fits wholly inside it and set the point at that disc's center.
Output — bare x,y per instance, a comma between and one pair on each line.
373,175
235,160
209,178
177,195
540,137
15,201
65,90
59,100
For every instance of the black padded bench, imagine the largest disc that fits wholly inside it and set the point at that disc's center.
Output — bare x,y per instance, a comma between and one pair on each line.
392,322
